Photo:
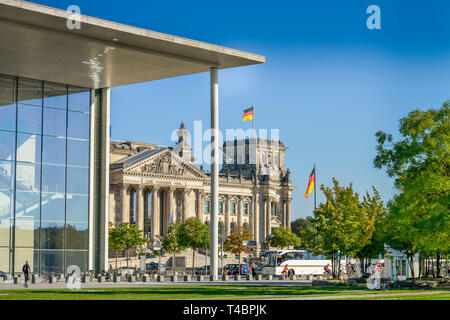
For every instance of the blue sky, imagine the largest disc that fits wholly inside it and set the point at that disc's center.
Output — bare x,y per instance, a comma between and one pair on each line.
329,82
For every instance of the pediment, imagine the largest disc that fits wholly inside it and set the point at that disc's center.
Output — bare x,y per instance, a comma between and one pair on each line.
165,163
275,220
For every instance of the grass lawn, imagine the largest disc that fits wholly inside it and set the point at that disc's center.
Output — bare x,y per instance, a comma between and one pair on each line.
204,292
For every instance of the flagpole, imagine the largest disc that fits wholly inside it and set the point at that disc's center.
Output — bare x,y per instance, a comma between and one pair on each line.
315,187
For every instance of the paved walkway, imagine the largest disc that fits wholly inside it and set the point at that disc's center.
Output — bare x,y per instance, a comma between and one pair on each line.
368,295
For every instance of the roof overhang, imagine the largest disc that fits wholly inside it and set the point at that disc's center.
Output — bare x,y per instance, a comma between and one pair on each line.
35,42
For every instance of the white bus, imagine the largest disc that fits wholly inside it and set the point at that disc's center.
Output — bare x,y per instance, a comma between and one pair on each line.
299,262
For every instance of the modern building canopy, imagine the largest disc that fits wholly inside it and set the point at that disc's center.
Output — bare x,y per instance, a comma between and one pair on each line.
36,43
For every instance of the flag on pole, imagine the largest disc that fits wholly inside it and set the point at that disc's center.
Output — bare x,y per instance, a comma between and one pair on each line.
311,183
248,114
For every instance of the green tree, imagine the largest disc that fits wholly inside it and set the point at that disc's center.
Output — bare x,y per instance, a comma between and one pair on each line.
283,237
116,240
132,237
234,242
342,225
420,163
301,223
194,234
171,242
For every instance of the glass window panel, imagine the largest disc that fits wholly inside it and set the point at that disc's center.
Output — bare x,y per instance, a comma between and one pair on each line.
7,90
78,126
6,209
53,178
4,260
26,233
77,258
52,235
77,180
78,153
55,95
7,145
27,205
28,147
77,208
220,207
30,92
21,255
77,236
6,175
28,177
53,206
54,122
54,150
29,119
7,116
79,99
51,261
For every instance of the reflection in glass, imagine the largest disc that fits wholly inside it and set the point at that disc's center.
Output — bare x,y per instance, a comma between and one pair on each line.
78,153
53,178
26,232
77,258
77,208
28,147
29,119
79,99
6,209
77,236
51,261
7,116
77,180
55,95
4,259
7,90
30,92
28,177
53,206
52,235
6,175
7,145
55,122
21,255
78,126
54,150
27,205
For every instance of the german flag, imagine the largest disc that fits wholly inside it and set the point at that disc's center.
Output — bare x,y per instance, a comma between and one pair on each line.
248,114
311,183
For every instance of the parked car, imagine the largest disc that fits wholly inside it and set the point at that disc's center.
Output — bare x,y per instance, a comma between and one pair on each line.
3,275
153,266
128,270
202,270
233,268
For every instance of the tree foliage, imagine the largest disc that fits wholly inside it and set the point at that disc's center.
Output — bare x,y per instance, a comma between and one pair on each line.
283,238
125,236
420,163
234,243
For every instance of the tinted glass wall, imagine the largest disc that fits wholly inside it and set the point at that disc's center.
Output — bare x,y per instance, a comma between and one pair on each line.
44,175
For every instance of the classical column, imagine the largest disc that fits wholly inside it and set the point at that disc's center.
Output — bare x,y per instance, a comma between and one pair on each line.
240,211
227,216
125,203
155,212
288,213
185,194
170,207
200,204
140,207
268,216
112,205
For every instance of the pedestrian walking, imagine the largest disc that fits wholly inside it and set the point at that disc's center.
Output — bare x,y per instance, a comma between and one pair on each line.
26,272
285,270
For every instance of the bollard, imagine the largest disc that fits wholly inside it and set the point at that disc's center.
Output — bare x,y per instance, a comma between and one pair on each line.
281,277
173,278
258,277
319,277
292,277
248,277
159,278
35,279
116,278
101,279
308,277
199,278
16,280
52,279
224,277
187,278
269,277
145,278
131,278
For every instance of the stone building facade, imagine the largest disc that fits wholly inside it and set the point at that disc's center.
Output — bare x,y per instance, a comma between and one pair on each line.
151,185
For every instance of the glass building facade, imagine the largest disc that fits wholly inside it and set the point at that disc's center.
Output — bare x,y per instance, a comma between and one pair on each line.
44,175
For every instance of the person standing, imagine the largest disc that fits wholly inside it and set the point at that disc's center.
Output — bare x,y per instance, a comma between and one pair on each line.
26,269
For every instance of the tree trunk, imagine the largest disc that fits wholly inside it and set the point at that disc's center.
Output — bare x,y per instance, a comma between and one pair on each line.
127,258
411,265
173,264
438,264
239,267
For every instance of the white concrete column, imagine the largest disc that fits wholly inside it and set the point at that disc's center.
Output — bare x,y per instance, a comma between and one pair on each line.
184,215
268,216
240,212
200,204
155,212
256,220
288,213
170,207
214,171
227,216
